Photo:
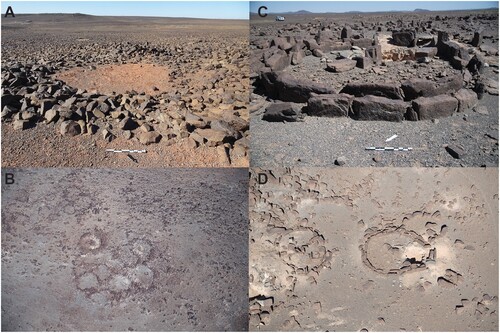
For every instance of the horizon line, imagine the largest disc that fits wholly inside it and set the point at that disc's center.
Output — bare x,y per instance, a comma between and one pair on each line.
148,16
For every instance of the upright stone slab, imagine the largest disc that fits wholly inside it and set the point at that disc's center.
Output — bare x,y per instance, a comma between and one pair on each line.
330,105
435,107
378,108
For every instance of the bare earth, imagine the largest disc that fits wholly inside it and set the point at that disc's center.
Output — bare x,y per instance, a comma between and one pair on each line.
120,79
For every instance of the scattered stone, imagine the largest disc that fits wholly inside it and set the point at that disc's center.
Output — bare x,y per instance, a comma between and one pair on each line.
107,135
444,283
70,128
481,109
147,138
489,50
467,99
51,116
340,161
88,281
212,137
127,124
21,124
146,127
318,53
127,135
455,151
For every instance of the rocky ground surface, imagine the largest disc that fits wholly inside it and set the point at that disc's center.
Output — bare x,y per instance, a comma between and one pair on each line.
399,249
328,86
175,87
125,250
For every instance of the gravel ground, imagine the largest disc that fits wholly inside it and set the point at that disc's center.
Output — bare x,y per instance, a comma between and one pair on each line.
319,141
125,250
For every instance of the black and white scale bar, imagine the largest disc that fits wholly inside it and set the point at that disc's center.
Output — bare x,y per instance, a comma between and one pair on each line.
126,151
389,148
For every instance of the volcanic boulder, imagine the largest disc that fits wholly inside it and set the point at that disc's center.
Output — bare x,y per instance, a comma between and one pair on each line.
389,90
378,108
281,112
435,107
404,38
330,105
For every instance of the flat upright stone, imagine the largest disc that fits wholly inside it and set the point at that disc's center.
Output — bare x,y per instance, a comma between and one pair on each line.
378,108
389,90
478,38
424,52
290,89
346,32
330,105
279,112
415,88
435,107
364,62
341,65
404,38
362,42
324,35
374,52
297,57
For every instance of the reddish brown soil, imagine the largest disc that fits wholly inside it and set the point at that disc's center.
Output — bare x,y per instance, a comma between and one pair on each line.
42,146
119,78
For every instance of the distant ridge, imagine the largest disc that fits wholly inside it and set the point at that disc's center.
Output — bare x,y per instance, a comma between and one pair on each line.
417,10
297,12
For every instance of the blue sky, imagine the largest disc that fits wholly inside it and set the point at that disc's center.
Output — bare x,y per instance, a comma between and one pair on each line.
366,6
200,9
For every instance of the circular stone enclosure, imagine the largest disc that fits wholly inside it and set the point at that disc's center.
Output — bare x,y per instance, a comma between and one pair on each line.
395,251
